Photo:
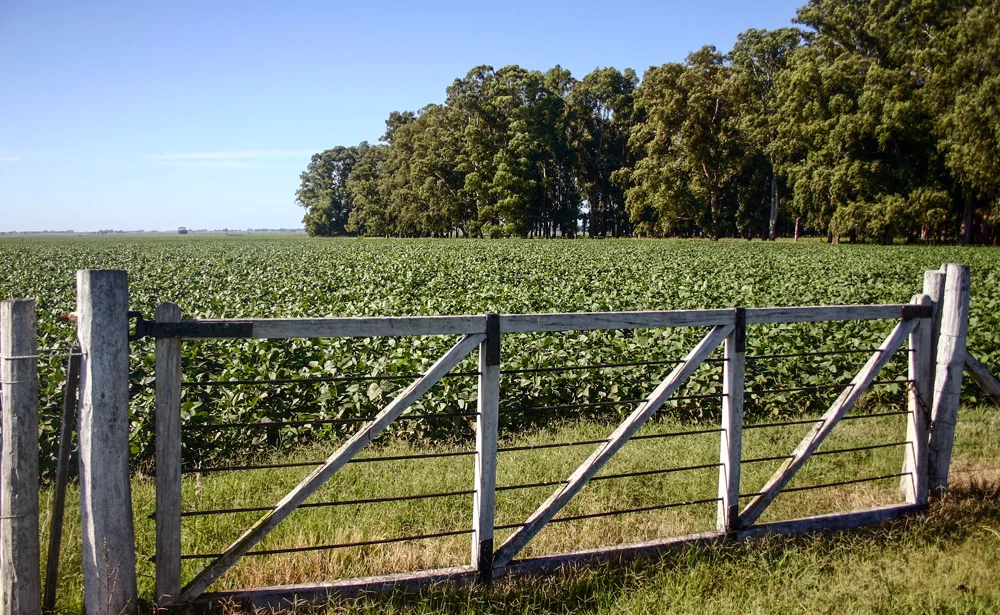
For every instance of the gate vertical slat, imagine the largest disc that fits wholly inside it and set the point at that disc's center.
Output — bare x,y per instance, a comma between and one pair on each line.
948,373
487,427
20,570
920,373
168,460
731,442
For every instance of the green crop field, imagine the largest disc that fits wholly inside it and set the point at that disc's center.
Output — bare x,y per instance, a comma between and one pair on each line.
222,277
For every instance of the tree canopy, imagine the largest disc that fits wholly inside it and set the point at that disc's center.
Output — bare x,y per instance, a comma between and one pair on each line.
874,120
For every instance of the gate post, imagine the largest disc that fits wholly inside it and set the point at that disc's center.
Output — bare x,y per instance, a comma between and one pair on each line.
920,373
20,568
951,350
731,444
105,491
487,426
168,460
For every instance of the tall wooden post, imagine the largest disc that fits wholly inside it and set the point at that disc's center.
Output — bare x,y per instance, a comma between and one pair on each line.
168,460
105,492
920,373
934,288
20,571
487,426
731,444
951,352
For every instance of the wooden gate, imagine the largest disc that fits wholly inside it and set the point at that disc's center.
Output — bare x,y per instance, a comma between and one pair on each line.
727,328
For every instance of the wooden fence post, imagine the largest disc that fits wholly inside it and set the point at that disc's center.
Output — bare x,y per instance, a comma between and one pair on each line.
934,288
168,460
105,492
20,567
920,373
731,444
487,427
951,352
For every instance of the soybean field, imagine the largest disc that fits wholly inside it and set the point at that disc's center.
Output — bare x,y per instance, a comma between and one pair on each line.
231,277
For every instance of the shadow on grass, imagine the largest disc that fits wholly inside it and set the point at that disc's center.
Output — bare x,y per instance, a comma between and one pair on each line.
732,576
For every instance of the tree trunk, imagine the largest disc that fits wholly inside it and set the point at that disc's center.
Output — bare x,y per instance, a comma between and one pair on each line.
965,236
798,226
772,232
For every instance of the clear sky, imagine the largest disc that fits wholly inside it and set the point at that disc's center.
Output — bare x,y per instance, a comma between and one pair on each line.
154,115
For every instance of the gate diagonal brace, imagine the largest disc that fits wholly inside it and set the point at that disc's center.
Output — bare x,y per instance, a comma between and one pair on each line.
191,329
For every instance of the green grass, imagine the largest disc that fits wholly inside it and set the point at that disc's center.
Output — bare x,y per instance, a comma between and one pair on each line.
976,455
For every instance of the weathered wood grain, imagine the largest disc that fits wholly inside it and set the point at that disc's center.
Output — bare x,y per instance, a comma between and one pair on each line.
824,313
20,573
731,438
105,490
168,461
919,397
592,321
950,366
366,326
66,428
986,381
487,429
831,522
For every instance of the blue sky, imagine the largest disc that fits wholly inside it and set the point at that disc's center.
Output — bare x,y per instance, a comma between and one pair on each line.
140,115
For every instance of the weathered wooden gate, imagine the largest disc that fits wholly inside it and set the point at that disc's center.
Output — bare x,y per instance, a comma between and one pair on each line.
727,328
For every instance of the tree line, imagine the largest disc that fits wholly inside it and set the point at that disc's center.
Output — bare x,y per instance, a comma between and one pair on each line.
873,121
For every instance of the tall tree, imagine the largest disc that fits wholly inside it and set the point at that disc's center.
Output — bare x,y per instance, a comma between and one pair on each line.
757,58
323,191
690,146
855,133
965,83
602,107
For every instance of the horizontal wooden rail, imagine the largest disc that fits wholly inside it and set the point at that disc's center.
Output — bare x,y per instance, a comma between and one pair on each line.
829,313
283,328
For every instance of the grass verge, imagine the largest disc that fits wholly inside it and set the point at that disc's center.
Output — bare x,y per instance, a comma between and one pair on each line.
732,578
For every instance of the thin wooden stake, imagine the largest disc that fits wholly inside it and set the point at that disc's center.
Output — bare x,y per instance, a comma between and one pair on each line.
62,476
731,443
20,573
325,472
920,372
168,460
487,427
545,513
830,418
951,353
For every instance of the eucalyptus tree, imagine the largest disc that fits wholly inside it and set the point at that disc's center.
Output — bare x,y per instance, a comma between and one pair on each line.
965,82
602,109
689,148
510,149
323,191
757,58
855,132
370,213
